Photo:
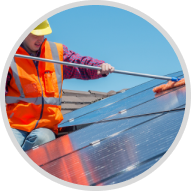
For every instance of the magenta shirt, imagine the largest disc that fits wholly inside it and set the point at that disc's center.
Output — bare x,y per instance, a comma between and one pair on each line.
72,72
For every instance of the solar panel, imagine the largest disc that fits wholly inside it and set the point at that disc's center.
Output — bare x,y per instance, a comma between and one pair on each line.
84,137
125,103
80,139
115,98
168,101
116,146
100,162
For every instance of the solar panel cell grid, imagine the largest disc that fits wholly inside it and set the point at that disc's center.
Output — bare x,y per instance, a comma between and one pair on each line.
79,139
117,153
128,174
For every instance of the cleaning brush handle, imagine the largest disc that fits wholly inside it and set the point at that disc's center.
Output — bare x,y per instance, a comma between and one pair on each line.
147,75
96,68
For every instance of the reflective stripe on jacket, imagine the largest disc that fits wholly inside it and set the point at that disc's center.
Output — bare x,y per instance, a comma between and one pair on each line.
35,93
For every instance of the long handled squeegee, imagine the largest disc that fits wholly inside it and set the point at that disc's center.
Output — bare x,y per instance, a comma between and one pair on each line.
175,79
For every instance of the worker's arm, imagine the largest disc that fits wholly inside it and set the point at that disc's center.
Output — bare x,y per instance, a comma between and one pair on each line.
82,73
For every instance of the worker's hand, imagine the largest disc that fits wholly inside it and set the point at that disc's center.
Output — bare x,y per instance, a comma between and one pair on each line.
105,69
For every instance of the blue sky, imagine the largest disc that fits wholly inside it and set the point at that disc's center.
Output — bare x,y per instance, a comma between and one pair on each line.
120,38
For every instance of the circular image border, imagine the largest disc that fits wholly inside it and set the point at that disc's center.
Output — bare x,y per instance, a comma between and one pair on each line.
173,45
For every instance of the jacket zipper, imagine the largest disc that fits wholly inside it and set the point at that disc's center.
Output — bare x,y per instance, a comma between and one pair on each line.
42,96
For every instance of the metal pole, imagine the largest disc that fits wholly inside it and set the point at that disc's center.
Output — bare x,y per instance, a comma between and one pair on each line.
95,68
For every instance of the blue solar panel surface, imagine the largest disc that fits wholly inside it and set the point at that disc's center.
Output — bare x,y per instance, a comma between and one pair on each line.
113,155
128,173
112,109
116,147
116,98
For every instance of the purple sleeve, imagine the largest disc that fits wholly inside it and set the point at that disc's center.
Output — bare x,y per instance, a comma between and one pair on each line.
80,73
7,82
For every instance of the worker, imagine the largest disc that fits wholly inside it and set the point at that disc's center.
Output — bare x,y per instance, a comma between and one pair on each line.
34,88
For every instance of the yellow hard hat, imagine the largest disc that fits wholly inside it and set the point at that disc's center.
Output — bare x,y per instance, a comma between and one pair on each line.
42,29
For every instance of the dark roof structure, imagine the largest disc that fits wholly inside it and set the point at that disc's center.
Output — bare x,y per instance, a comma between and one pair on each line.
117,139
72,100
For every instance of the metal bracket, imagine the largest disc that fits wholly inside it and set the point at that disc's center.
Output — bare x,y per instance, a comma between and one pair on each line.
114,134
95,142
123,111
71,120
108,104
35,147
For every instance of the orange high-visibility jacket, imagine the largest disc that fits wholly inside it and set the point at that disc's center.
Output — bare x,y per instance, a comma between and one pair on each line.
34,96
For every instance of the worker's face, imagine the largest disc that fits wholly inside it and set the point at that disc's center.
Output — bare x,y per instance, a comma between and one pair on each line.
33,42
